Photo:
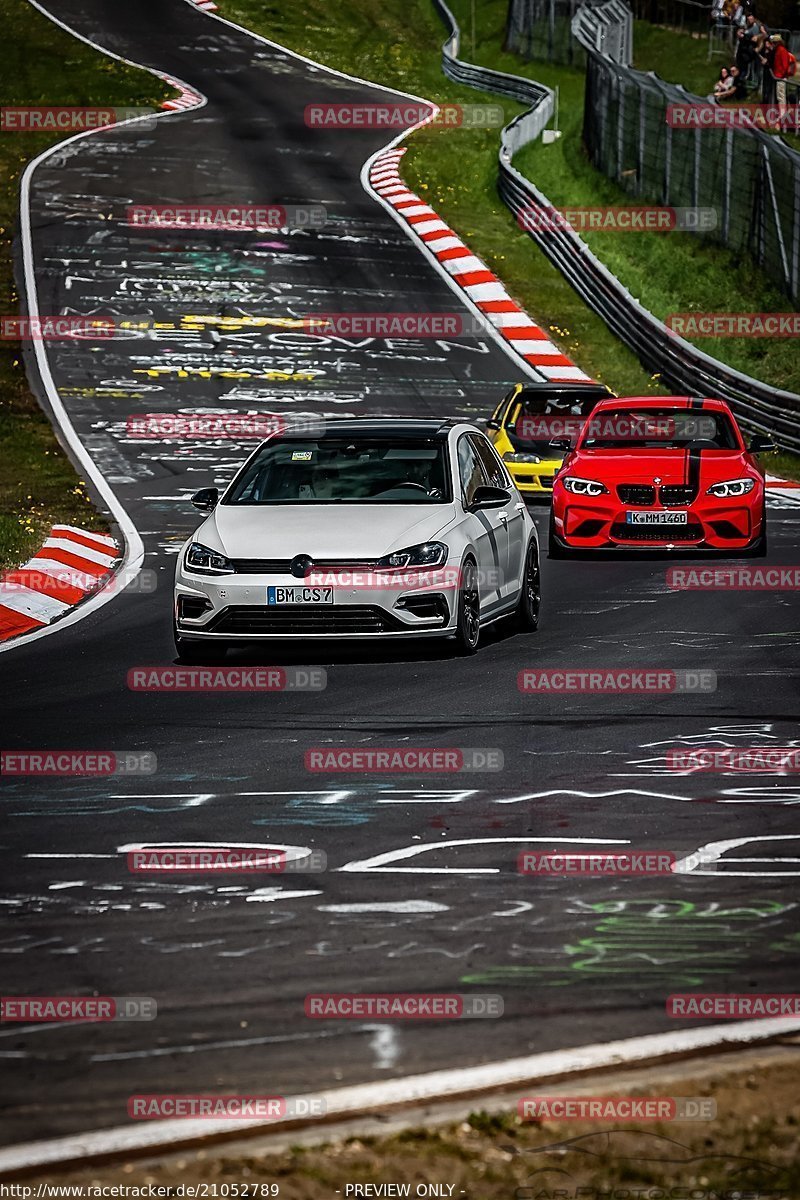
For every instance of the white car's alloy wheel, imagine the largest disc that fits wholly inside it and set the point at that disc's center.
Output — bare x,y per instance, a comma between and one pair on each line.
468,623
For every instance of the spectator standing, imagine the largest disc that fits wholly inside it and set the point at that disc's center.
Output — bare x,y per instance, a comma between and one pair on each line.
780,71
738,84
755,32
767,60
745,54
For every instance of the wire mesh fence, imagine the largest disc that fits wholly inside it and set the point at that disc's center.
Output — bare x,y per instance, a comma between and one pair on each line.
658,143
760,407
607,28
661,144
543,29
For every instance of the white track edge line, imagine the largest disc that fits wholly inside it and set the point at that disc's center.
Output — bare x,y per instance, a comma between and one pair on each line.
132,557
360,1099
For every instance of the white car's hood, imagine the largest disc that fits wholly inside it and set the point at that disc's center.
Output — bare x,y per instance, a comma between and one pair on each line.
356,532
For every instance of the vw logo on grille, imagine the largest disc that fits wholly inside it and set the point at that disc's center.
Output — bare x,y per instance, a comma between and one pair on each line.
301,566
657,479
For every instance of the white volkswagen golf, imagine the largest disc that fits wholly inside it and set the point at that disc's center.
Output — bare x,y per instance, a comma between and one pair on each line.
381,528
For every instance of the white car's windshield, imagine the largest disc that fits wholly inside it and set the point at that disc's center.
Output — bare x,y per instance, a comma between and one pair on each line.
351,470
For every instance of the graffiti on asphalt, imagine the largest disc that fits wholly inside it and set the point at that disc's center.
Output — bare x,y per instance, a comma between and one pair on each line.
635,943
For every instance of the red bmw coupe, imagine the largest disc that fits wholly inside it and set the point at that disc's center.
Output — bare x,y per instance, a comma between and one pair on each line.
660,473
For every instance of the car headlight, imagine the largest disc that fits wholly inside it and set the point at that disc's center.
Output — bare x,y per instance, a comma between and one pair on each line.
204,561
732,487
521,458
427,554
583,487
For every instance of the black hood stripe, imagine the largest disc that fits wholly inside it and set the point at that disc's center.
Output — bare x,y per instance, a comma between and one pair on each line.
693,458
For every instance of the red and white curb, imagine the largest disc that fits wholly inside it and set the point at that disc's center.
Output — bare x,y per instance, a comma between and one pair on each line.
785,491
480,285
206,5
71,565
187,98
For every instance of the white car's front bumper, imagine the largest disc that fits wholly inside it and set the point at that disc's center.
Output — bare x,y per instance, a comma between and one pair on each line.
234,607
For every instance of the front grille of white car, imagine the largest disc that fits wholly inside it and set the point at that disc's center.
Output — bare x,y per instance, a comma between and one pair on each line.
322,620
282,566
261,566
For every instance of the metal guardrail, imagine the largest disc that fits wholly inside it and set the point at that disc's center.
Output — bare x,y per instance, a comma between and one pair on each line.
517,87
688,371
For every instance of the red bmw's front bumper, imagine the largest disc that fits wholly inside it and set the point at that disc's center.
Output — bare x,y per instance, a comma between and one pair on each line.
708,523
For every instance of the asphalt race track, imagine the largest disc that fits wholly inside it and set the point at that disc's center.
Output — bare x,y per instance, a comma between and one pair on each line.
230,960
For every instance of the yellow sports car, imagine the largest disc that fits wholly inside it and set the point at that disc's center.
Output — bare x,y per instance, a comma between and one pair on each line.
529,418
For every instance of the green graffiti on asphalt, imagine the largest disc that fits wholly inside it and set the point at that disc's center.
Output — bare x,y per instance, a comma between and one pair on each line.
216,262
670,942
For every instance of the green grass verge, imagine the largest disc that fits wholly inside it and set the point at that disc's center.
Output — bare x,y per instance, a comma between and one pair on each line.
40,64
397,42
749,1150
680,57
670,272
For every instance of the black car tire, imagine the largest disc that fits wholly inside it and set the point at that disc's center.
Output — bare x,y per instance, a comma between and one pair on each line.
554,547
526,614
468,618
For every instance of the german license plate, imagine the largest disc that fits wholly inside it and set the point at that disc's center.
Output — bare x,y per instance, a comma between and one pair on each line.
299,595
656,518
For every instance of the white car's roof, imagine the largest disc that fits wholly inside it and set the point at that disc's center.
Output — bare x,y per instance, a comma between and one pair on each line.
391,428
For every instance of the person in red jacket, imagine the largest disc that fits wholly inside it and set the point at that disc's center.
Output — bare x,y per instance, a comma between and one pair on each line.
778,63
